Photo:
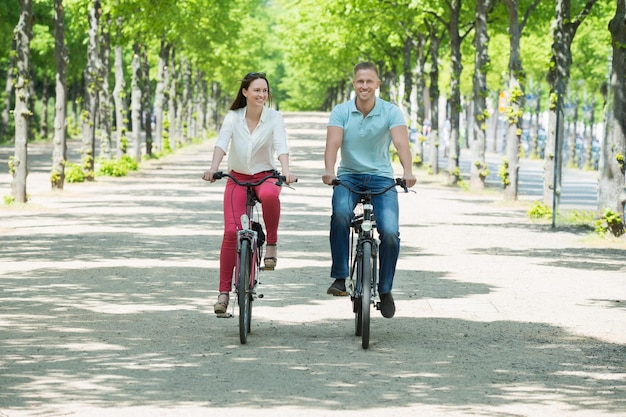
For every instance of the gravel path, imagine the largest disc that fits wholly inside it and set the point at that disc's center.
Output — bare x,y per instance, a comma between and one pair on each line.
106,294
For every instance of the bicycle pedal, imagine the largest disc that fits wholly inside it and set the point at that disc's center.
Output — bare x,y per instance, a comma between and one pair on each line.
268,268
377,304
224,315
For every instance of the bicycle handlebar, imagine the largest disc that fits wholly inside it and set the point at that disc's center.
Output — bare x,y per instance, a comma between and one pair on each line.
398,182
275,174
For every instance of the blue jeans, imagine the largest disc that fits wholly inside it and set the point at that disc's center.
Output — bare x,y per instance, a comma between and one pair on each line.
386,213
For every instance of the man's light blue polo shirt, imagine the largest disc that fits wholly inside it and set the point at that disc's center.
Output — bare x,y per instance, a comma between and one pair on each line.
366,141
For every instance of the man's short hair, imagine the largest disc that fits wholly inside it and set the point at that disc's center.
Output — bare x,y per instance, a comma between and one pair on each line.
366,65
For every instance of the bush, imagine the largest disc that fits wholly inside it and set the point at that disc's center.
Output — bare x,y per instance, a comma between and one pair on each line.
117,167
74,173
539,211
129,162
610,222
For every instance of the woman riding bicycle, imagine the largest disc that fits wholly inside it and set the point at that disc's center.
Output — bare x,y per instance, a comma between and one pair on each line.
256,134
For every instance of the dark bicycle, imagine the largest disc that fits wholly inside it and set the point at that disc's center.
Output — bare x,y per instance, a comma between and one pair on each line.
364,259
249,252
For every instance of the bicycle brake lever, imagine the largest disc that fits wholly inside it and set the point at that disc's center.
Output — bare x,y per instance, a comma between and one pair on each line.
281,183
402,183
218,175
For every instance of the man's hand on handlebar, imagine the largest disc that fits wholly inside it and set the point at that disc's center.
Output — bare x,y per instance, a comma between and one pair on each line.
409,179
328,178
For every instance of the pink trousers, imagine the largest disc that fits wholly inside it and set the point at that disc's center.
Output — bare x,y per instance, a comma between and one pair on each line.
234,206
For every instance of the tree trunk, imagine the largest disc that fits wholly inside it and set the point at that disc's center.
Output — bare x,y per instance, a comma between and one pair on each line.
146,99
590,123
407,71
184,119
45,97
417,104
120,103
90,112
516,104
468,121
59,152
8,89
18,166
34,116
433,92
456,68
180,104
533,134
612,190
195,96
494,122
200,107
159,96
135,102
558,77
171,103
105,96
213,106
572,160
479,169
75,96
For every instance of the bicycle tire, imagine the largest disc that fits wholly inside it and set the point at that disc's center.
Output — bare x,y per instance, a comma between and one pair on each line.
358,318
366,293
243,293
356,294
255,267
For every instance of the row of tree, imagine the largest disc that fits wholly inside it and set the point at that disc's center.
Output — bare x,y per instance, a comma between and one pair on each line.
555,52
121,67
178,61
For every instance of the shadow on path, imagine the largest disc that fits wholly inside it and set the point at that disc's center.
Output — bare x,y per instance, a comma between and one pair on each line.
106,298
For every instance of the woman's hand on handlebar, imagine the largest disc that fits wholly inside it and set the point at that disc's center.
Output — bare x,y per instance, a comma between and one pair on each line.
208,176
289,178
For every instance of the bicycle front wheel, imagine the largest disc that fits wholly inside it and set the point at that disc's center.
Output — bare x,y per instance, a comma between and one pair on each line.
358,317
243,291
366,293
357,294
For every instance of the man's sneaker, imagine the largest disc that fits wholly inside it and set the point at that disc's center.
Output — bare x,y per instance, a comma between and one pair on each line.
338,288
387,306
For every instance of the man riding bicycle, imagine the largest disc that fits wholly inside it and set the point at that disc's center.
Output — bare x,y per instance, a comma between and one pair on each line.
363,129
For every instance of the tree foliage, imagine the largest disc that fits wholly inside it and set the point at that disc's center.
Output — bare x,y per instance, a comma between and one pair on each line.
308,49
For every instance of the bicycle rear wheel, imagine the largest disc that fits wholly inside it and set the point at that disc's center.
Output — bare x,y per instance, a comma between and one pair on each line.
243,291
366,293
